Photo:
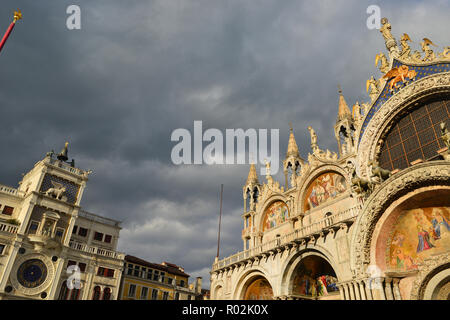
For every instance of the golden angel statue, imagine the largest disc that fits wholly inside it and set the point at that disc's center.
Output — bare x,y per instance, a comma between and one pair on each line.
374,90
446,53
406,49
429,53
384,63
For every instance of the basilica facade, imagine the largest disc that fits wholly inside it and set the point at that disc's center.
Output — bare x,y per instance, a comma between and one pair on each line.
50,248
371,222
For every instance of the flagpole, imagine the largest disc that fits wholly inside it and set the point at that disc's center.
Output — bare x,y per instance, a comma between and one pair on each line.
220,221
17,16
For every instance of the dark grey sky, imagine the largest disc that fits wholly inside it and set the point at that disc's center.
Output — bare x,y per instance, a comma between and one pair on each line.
137,70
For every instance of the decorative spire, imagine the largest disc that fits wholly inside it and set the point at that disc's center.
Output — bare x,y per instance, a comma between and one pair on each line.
252,176
292,149
344,110
63,154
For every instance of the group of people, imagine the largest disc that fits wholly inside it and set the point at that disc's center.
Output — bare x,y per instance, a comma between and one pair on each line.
429,234
319,286
325,188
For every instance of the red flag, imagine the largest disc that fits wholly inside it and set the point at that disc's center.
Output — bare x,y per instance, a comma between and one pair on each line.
17,16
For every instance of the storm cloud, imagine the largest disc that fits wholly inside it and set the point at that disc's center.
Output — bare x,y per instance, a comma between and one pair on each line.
137,70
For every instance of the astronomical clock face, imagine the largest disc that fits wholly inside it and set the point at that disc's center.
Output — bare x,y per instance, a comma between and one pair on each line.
32,273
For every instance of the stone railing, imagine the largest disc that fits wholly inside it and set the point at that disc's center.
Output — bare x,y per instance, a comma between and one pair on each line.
96,250
97,218
303,232
10,191
65,166
10,228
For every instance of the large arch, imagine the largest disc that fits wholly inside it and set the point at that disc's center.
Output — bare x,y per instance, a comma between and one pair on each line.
383,119
291,264
249,278
217,292
395,245
406,190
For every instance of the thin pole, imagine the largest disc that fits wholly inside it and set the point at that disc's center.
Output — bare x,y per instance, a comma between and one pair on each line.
17,16
220,220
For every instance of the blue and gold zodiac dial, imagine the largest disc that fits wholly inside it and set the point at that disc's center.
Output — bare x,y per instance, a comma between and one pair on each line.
32,273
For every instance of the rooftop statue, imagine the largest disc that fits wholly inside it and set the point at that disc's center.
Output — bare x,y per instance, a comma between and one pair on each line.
384,67
406,49
429,53
374,90
314,145
385,30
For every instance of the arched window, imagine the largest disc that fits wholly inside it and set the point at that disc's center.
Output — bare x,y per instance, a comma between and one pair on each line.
64,292
97,293
75,294
107,294
415,135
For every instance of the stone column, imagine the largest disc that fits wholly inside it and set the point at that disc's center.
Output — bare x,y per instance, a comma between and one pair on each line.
388,289
396,290
347,295
341,292
352,292
378,289
368,287
362,290
356,288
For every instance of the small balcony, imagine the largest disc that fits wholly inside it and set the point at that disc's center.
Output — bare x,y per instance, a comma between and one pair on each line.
96,250
8,228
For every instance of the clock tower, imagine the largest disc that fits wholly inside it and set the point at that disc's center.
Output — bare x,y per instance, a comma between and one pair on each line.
50,202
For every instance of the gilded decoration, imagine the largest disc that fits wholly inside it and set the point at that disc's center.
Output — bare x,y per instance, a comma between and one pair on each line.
386,93
259,289
324,188
418,234
314,277
276,214
428,173
378,122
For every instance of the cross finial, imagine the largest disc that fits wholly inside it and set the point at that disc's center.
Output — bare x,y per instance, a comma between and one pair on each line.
340,89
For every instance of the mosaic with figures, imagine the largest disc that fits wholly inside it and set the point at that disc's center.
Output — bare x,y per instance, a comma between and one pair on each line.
324,188
259,289
418,234
276,214
314,277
